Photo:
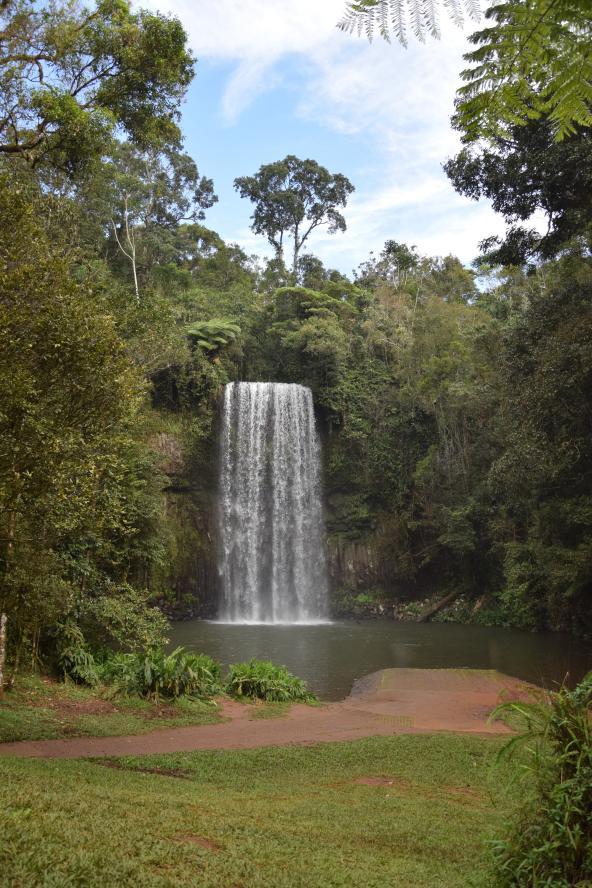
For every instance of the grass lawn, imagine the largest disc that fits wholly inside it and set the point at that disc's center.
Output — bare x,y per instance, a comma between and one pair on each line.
386,811
39,708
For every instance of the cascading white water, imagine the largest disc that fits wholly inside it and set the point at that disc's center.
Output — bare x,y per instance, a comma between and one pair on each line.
272,557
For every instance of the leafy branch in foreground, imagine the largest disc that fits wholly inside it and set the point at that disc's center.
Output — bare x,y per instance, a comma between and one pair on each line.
387,17
534,61
551,843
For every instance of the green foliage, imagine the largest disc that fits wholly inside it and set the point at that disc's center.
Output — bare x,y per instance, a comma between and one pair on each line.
121,615
70,75
523,172
213,334
541,478
156,674
454,417
532,62
551,841
293,197
74,658
75,484
261,680
142,195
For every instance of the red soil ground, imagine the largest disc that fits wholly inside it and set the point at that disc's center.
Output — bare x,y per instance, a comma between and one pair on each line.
393,701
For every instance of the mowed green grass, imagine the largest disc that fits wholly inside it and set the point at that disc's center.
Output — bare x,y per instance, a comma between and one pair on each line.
291,817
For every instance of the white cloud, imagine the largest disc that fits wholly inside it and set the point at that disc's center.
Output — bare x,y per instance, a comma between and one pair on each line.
248,29
399,100
251,78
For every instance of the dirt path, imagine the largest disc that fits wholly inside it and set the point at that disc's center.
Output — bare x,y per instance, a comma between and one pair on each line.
393,701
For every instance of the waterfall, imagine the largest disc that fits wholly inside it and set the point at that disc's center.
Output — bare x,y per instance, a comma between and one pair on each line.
272,557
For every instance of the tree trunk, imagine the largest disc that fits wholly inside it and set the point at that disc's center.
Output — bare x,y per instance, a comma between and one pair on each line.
3,621
481,601
440,605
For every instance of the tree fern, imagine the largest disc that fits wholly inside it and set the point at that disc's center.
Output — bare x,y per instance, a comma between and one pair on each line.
213,334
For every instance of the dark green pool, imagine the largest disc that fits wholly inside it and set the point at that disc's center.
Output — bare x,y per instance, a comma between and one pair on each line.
331,656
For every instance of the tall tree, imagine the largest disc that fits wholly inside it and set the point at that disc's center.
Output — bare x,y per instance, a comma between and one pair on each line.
524,172
70,75
73,495
147,194
292,198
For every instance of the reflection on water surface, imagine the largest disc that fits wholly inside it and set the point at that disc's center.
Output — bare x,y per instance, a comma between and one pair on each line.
332,656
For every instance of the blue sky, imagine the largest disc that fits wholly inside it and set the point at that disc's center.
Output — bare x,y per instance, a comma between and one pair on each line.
276,77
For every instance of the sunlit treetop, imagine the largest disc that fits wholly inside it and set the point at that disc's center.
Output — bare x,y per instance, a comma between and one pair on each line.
292,198
71,76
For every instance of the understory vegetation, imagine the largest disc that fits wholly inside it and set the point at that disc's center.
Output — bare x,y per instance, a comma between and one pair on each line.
119,693
550,842
154,674
261,680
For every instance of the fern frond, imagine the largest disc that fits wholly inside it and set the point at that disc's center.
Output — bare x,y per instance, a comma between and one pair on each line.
384,25
398,23
416,17
391,17
533,61
431,18
455,11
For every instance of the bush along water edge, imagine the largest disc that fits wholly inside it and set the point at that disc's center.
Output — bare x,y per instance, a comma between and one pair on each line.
263,680
154,674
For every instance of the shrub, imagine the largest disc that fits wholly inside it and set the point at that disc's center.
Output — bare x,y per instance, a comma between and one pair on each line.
261,680
157,674
551,842
74,658
121,617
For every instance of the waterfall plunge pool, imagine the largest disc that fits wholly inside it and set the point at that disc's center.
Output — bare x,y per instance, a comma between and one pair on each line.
273,567
331,656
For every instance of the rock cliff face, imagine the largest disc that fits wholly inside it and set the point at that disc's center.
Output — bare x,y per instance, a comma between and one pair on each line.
353,564
193,574
359,556
190,578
